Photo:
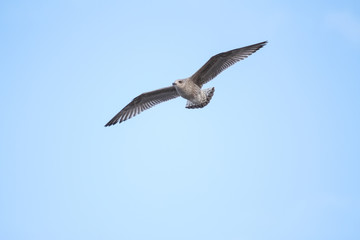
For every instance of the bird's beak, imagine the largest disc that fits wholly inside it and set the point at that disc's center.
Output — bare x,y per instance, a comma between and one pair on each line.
174,83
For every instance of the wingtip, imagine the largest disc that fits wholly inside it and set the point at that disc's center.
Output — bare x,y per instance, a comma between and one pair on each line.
263,43
110,124
258,45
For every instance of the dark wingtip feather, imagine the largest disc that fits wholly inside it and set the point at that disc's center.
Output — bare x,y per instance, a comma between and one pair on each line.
263,43
260,44
110,124
113,121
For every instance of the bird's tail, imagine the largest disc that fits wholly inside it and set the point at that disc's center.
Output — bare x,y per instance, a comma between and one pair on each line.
209,92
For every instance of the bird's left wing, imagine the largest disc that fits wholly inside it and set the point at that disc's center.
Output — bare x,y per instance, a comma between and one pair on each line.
142,102
218,63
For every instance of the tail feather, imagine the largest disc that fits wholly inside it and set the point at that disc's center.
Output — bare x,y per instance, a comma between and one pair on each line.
209,94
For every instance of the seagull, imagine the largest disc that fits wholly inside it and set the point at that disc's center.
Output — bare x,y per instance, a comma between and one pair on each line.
188,88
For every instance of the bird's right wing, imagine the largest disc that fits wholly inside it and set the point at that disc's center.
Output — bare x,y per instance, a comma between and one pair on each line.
142,102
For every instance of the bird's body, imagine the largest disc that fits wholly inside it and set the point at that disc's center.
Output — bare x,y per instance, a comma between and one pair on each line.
188,88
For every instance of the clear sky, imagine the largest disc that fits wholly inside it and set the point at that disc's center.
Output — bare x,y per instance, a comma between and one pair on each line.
275,155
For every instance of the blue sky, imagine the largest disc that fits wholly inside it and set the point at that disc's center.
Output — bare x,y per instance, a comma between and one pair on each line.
275,155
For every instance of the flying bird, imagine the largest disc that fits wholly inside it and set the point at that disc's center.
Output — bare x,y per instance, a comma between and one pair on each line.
188,88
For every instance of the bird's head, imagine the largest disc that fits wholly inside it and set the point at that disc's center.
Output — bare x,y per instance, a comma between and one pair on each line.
178,83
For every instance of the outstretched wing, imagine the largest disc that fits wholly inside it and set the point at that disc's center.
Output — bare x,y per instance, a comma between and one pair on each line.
221,61
143,102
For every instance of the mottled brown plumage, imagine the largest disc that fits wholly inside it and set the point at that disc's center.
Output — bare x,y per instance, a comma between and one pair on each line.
189,88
